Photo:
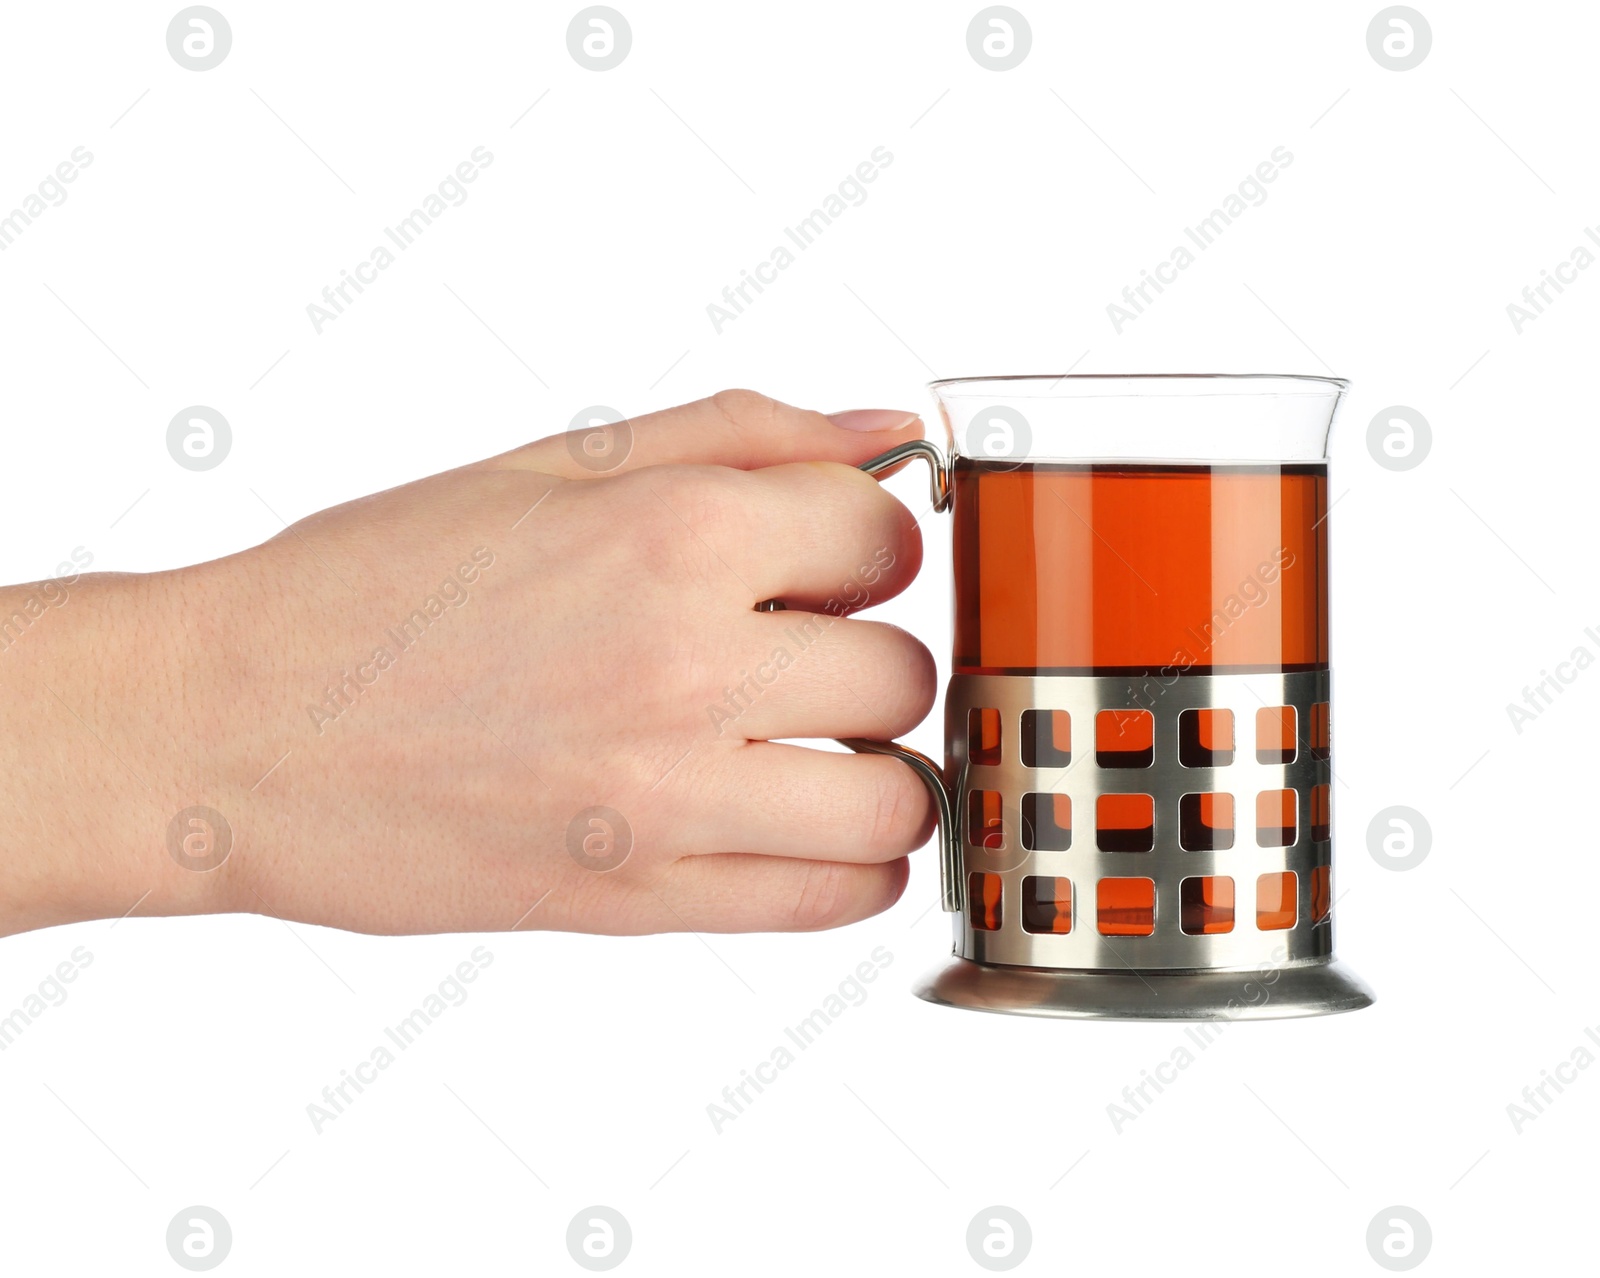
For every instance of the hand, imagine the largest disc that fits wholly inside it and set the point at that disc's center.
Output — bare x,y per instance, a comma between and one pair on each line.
526,692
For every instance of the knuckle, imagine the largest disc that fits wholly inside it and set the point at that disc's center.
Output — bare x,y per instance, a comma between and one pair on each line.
887,561
700,513
823,898
745,408
853,500
909,679
899,814
706,498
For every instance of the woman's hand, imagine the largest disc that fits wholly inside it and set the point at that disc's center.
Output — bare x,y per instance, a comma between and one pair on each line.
531,692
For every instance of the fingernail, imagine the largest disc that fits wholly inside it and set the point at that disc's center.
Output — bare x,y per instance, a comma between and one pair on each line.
872,419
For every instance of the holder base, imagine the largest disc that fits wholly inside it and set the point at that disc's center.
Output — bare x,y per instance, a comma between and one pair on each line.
1315,988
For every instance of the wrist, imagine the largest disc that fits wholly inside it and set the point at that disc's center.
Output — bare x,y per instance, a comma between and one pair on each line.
97,678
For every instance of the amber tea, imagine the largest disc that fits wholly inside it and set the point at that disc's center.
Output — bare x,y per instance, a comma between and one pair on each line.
1123,568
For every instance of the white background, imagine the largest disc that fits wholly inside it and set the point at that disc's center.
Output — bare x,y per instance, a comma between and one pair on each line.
1018,204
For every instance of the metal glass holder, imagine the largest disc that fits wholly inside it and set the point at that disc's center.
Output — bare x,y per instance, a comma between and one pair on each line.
1237,967
1266,963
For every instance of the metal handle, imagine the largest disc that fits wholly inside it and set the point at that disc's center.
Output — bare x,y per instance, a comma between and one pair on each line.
946,798
939,478
947,805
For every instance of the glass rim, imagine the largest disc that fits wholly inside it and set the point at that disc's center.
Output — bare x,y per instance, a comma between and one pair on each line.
1259,383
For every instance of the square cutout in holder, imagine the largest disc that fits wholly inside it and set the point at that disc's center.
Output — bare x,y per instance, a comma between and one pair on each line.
1205,822
1321,813
1046,904
983,737
1125,822
1275,819
1275,734
983,901
1125,907
1276,903
1205,738
985,823
1047,822
1321,892
1321,733
1046,738
1124,738
1205,905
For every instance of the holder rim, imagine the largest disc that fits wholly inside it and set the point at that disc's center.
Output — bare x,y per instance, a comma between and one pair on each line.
1316,988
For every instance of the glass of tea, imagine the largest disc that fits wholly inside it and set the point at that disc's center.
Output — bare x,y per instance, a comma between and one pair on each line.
1136,800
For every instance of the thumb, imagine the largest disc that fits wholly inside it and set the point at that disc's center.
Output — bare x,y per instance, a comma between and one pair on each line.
737,428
